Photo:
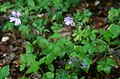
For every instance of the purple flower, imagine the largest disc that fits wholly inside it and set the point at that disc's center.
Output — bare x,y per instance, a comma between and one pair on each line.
70,62
84,65
15,18
68,21
113,51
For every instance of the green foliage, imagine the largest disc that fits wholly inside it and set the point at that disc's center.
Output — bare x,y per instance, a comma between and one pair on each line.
86,34
24,30
51,67
82,17
39,24
62,74
31,3
4,71
114,15
53,50
5,6
111,32
8,26
29,60
106,65
115,30
42,26
29,47
48,75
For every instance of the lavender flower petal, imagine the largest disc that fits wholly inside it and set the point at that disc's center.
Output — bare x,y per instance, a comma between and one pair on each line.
17,21
18,14
84,65
13,13
68,21
12,19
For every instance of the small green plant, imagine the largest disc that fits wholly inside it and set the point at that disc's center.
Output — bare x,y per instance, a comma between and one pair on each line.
106,65
82,17
29,59
43,24
114,15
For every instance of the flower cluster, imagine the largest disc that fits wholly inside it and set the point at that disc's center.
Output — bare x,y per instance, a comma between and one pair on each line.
15,18
82,63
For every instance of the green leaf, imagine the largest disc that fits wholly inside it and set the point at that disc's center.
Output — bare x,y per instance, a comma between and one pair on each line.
99,68
54,54
22,67
93,35
41,42
108,34
29,47
113,13
107,69
110,62
4,71
27,58
34,66
50,58
24,30
90,47
115,29
30,58
51,67
68,66
101,45
49,75
42,60
105,65
23,58
102,31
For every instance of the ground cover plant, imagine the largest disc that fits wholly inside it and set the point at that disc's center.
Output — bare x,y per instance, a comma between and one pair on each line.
59,39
